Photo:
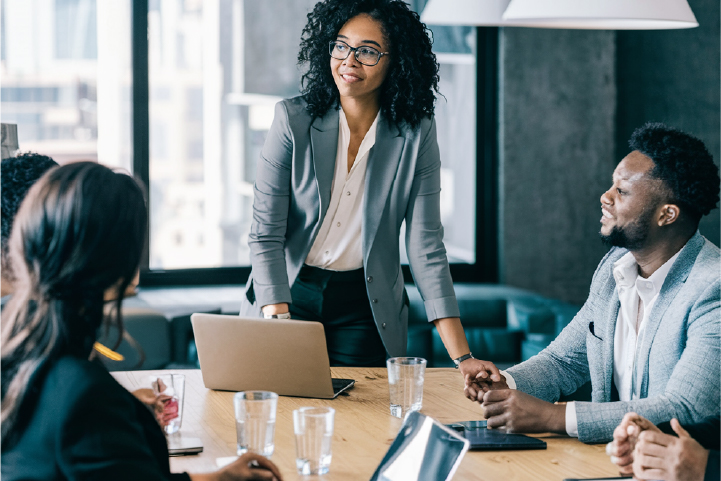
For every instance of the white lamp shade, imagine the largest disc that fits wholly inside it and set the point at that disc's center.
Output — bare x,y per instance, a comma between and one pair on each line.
465,12
601,14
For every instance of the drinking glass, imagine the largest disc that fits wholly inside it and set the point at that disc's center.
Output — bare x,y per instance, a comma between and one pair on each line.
313,429
405,383
170,389
255,421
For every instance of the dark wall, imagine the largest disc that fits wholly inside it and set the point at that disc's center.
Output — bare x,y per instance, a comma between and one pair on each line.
556,153
568,103
673,77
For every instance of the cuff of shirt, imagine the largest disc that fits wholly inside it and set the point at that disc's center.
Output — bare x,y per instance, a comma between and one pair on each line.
571,420
509,379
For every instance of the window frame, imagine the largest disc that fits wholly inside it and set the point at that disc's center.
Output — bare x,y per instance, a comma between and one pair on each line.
485,269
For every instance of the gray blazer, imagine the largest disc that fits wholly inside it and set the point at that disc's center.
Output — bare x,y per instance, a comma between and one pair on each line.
678,357
292,192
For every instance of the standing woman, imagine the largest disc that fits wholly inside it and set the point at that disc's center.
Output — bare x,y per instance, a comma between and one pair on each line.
342,167
78,237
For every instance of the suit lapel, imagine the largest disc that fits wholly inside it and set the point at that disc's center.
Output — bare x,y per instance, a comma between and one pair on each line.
671,286
324,145
609,338
383,160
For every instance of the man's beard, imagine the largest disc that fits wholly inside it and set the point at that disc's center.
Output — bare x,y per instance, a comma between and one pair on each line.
632,237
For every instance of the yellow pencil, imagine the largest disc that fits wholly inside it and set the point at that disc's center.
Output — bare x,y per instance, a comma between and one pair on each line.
107,352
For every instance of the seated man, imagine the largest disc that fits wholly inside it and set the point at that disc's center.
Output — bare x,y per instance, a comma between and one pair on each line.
648,335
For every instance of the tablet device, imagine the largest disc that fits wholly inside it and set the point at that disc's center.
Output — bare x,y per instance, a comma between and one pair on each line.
482,438
423,450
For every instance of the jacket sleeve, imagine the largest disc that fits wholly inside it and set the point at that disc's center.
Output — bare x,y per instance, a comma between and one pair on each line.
271,202
692,391
101,439
562,367
424,233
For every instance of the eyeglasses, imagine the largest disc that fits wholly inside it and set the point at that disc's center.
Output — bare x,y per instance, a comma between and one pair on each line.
365,55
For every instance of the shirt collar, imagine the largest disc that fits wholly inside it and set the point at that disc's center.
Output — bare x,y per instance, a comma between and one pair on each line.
368,141
625,271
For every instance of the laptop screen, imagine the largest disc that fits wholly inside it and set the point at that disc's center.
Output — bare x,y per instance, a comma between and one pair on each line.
423,450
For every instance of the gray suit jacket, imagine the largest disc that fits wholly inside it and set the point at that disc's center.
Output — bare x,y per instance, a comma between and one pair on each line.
678,357
292,192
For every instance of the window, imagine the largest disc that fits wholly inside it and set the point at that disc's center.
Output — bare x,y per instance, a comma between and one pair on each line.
216,69
66,83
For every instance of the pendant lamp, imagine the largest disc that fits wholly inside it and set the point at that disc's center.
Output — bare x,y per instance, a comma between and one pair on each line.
465,12
601,14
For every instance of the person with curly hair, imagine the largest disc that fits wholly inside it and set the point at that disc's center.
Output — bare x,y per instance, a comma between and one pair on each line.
17,175
343,167
647,337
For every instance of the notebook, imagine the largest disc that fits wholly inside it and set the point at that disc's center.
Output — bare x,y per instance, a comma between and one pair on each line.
285,356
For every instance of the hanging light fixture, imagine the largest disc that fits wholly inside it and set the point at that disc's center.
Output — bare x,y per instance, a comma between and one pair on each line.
465,12
601,14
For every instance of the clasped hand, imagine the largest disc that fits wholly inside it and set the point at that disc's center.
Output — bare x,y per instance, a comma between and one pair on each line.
512,410
640,449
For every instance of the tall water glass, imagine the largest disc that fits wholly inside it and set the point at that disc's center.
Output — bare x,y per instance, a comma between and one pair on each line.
405,383
170,389
313,435
255,421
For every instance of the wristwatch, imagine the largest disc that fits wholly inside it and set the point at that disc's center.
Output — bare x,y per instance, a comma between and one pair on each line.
459,360
285,315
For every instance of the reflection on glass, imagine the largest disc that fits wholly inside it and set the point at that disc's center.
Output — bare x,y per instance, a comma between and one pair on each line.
424,450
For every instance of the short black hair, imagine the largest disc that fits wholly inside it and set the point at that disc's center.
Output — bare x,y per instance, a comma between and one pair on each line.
683,163
407,94
17,175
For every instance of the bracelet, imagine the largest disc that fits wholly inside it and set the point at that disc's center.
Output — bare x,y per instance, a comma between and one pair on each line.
285,315
459,360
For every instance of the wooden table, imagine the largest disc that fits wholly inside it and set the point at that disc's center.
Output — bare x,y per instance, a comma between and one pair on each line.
364,429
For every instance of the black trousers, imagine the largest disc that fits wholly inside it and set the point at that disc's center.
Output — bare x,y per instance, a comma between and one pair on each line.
339,301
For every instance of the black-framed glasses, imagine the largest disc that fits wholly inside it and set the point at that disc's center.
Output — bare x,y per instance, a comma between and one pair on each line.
365,55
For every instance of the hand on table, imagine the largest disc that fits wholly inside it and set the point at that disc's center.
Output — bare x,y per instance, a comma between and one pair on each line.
671,458
477,373
516,411
624,441
250,467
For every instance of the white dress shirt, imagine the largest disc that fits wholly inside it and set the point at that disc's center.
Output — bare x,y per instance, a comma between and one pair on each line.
338,246
630,328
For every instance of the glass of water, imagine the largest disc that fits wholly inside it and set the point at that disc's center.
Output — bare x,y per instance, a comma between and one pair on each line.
170,391
405,382
255,421
313,435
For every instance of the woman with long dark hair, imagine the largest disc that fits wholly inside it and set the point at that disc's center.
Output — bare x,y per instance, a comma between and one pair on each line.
78,236
343,166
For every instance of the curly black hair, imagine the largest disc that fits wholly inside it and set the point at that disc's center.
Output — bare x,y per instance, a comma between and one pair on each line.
17,175
407,94
683,163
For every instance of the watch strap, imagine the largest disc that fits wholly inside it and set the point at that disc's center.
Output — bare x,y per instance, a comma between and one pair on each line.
459,360
285,315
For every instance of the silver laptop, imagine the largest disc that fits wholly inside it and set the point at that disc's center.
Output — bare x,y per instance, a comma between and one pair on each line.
250,354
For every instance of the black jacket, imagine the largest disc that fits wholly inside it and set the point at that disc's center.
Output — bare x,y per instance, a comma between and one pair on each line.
85,426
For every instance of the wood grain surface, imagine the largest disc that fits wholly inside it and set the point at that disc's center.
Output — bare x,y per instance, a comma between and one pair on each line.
364,429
